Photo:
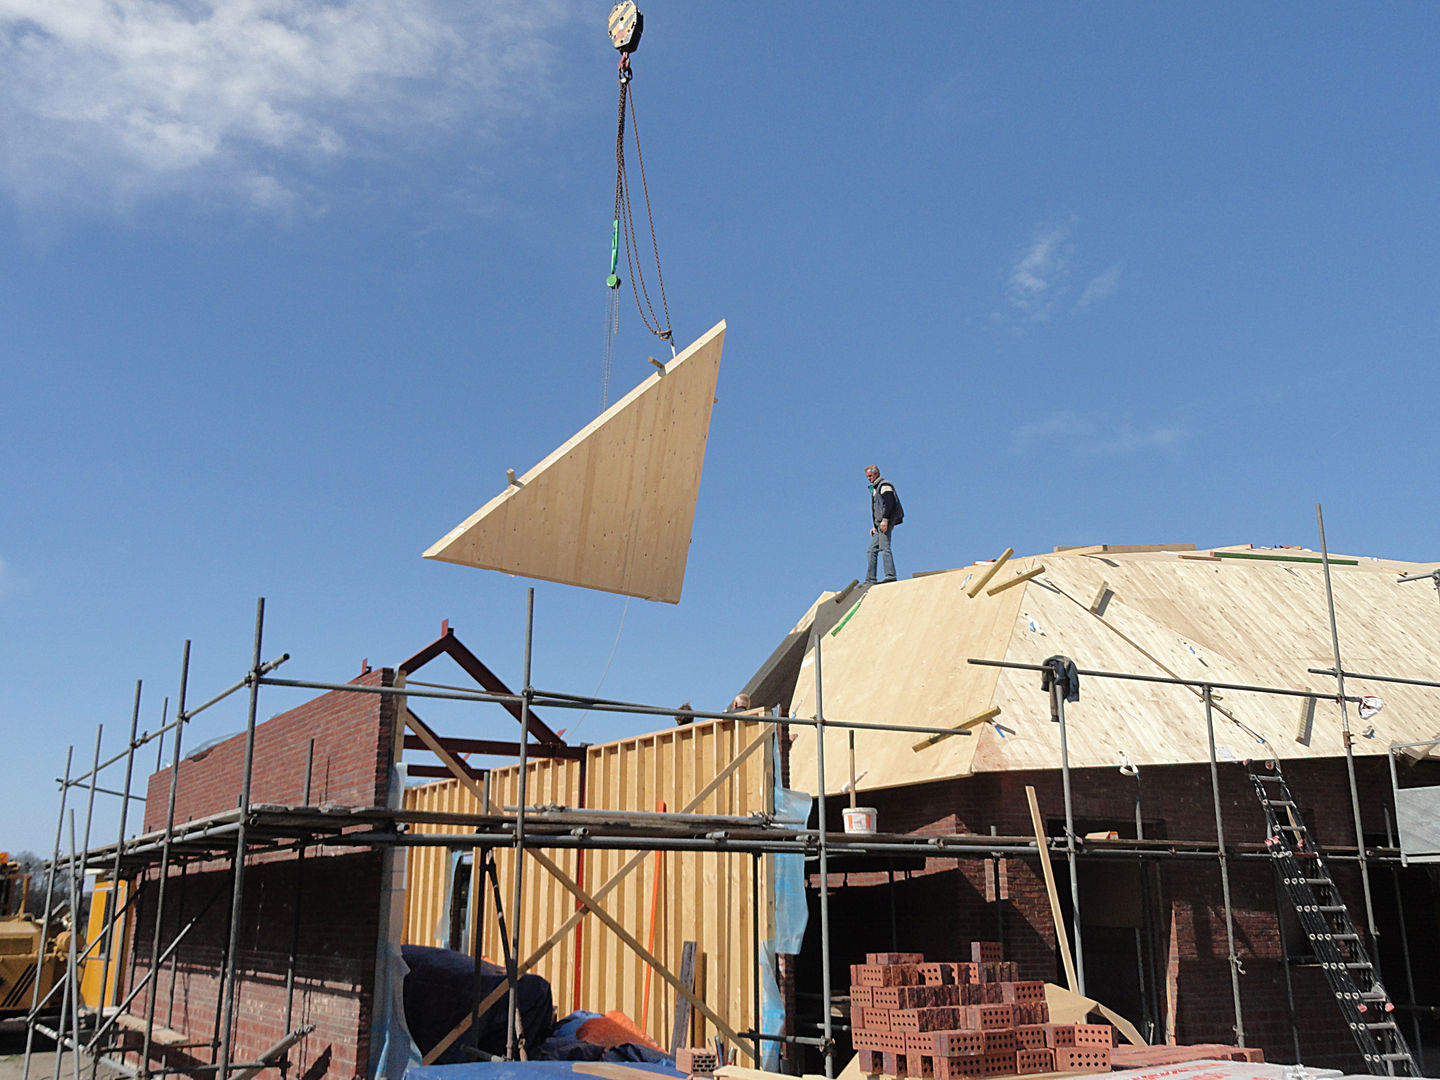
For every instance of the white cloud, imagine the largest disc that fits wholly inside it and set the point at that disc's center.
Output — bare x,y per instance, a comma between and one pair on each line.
1091,435
1100,286
1041,267
114,100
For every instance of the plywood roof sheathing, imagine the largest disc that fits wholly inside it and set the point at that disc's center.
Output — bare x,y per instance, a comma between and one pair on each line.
611,508
1260,621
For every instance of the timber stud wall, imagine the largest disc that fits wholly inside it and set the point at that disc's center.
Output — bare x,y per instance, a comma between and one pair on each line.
1178,800
339,893
703,897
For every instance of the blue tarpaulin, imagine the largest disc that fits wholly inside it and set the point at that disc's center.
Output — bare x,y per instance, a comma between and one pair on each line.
519,1070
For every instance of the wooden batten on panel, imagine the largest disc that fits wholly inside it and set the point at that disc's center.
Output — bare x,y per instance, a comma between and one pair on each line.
988,574
611,508
1033,572
1102,597
959,729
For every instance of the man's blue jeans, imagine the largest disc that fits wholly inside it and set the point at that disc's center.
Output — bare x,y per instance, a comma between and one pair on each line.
879,545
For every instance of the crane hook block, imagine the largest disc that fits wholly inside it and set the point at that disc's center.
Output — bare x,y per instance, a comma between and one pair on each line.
626,26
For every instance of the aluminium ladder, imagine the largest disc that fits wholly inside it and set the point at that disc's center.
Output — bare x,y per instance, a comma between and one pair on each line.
1367,1008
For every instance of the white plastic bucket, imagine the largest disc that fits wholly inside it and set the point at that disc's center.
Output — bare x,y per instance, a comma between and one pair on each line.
860,819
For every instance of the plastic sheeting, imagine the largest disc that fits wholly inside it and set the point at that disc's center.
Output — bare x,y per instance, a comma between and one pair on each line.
398,1053
792,809
1417,815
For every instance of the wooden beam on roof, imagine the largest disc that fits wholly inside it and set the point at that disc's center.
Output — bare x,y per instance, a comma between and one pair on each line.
612,507
959,729
1120,549
1028,575
994,567
1265,556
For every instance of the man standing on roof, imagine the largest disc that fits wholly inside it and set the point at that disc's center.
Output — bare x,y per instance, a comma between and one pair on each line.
886,513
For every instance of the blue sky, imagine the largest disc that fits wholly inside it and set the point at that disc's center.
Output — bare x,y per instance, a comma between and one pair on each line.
287,286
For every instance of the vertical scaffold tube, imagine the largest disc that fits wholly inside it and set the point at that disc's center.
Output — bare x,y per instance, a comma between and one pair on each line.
512,960
1224,870
237,898
825,1024
163,881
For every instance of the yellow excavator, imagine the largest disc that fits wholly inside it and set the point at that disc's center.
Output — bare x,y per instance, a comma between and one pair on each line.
20,934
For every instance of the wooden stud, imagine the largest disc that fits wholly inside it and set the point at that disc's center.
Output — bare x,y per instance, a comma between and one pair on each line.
988,574
680,1033
959,729
1062,939
1033,573
1102,597
612,507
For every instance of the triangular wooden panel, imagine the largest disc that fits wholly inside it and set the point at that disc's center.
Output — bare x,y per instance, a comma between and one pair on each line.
611,509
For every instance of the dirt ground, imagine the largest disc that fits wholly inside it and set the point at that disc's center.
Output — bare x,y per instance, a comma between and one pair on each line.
42,1059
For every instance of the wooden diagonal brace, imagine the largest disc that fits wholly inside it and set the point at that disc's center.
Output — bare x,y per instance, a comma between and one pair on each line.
456,767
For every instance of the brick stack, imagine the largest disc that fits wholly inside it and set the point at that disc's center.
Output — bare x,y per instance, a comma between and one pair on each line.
697,1062
974,1018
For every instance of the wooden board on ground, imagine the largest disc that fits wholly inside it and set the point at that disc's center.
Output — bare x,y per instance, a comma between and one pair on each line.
1068,1007
611,508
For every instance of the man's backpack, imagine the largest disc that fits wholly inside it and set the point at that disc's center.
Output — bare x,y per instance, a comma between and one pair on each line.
899,516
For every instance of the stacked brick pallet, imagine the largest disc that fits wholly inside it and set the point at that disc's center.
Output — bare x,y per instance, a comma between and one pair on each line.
944,1021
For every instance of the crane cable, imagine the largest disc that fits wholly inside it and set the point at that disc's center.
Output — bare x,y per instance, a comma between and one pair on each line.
624,222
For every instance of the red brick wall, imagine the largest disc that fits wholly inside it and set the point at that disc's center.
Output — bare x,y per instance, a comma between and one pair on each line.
943,907
336,893
351,766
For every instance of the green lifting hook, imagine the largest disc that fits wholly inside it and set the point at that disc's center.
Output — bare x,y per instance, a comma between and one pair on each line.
613,281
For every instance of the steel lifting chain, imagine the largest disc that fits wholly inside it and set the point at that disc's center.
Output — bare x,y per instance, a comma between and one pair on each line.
625,215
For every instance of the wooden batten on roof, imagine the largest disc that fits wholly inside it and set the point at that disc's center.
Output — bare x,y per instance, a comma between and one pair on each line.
1244,615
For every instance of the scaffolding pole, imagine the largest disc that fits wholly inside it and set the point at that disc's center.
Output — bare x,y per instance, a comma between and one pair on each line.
1348,740
1235,970
512,971
237,900
108,931
1057,706
824,828
164,877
